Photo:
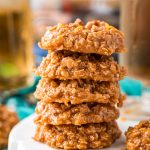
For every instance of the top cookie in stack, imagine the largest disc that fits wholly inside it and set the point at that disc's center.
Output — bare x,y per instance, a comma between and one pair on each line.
79,88
94,37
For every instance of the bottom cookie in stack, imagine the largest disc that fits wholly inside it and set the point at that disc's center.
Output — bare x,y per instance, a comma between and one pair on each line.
98,135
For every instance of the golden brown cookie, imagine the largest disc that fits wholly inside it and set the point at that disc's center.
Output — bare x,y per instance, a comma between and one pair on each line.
94,37
8,119
138,137
69,65
78,91
58,114
78,137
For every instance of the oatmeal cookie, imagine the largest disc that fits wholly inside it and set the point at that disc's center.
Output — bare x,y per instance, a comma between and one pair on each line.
69,65
138,137
78,137
8,119
94,37
58,114
78,91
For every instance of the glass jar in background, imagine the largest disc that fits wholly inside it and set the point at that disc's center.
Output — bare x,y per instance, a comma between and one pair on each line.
15,44
135,20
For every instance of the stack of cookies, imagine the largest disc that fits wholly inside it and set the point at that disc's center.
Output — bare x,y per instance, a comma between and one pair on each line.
79,91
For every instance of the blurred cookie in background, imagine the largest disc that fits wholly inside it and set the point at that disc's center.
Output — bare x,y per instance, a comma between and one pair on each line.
138,137
8,119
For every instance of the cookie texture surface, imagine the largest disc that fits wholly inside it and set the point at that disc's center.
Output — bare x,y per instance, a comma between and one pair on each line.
58,114
138,137
94,37
78,137
78,91
8,119
65,65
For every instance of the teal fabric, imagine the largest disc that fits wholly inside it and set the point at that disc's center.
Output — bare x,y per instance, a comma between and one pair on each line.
131,87
22,107
20,104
